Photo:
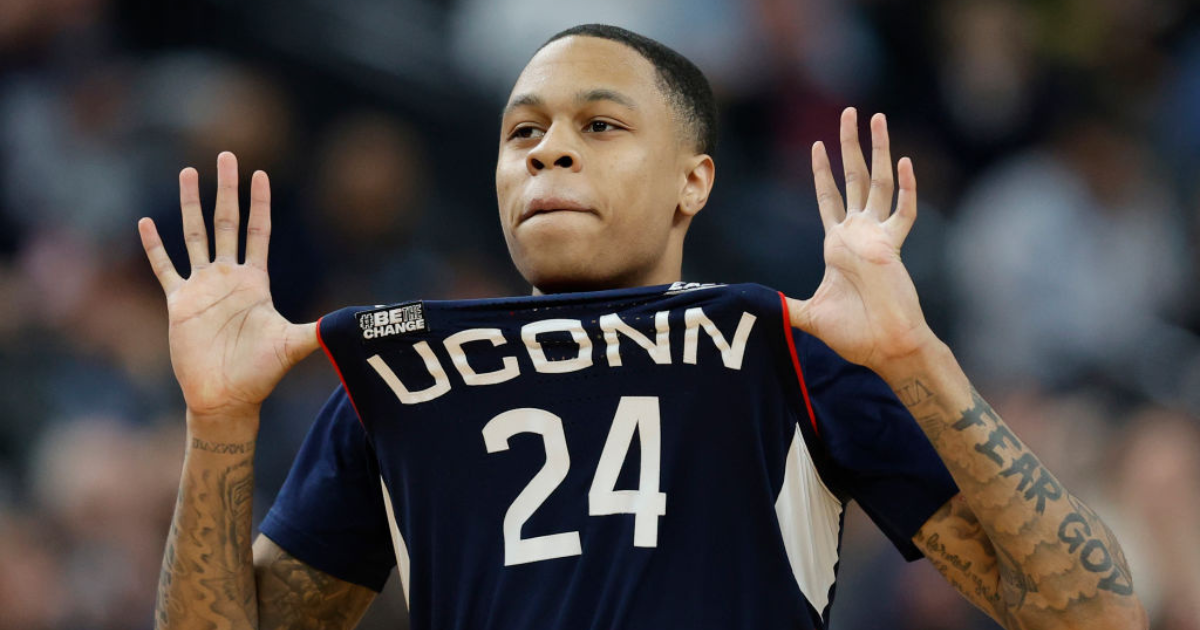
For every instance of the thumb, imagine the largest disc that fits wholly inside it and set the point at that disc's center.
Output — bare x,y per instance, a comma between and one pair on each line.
800,315
300,341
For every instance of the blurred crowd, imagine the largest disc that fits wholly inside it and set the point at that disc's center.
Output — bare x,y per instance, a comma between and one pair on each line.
1056,143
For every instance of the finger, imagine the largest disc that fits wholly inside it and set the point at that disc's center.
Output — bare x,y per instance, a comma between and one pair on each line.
855,168
160,262
258,226
829,200
225,218
900,223
195,236
879,200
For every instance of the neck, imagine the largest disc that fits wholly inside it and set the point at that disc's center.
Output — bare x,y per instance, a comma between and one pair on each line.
666,269
606,284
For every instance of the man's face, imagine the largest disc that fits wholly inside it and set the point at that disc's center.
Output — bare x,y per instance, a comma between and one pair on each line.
591,170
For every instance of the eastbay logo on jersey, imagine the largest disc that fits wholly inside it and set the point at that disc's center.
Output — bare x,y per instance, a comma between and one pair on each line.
392,320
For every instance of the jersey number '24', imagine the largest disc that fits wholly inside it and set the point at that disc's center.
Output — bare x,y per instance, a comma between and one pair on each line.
638,413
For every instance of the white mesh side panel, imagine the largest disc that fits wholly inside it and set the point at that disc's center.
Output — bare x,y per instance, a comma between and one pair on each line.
397,541
810,520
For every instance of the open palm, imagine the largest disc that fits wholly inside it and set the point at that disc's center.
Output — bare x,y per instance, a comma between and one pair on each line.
229,346
866,307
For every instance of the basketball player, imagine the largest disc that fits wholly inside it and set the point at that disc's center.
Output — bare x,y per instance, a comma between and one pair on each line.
486,448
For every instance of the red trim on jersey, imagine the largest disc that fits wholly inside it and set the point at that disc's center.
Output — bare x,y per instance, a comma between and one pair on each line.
791,344
337,369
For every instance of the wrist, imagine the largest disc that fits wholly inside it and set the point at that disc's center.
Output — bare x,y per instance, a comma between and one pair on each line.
921,349
231,425
929,361
928,378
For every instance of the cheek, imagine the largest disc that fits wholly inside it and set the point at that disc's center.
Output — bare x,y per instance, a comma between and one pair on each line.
646,206
643,211
508,184
505,180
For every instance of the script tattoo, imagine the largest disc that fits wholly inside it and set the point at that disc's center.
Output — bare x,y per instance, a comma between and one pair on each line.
1024,550
963,555
1098,549
224,448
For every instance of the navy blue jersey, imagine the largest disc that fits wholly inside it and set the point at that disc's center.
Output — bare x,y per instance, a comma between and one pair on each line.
659,457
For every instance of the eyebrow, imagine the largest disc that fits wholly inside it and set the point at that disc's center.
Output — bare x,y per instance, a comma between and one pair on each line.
524,100
604,94
587,96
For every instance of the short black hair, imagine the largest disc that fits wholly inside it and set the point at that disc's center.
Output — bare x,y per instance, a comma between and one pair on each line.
685,86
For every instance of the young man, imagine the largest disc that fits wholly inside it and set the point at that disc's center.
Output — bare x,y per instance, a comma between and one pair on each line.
486,447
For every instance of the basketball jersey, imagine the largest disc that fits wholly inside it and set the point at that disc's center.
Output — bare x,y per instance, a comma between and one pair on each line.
659,457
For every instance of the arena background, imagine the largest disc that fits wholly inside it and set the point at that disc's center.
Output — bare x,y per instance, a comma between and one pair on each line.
1056,142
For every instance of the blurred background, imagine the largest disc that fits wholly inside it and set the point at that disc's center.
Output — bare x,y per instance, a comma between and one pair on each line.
1057,144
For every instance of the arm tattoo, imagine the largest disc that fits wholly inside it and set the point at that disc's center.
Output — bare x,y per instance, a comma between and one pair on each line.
1015,542
291,594
964,556
206,576
210,577
234,448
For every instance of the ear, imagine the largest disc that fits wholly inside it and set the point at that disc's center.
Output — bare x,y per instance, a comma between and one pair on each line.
699,173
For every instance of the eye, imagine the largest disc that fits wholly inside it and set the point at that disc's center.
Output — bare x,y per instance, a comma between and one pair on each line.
526,132
600,126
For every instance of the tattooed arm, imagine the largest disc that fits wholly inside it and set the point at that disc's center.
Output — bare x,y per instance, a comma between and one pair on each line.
208,578
229,348
1014,541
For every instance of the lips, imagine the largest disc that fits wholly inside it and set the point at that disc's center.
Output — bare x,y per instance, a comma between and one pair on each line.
543,205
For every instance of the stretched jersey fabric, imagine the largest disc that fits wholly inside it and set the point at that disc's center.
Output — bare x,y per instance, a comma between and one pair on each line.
659,457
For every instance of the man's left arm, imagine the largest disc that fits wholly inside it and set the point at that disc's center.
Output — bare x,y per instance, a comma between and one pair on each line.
1014,541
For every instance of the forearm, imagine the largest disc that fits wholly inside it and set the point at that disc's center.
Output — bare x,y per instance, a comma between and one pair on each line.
207,578
1059,564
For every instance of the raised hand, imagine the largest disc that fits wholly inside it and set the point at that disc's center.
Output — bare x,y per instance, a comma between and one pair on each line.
866,306
229,346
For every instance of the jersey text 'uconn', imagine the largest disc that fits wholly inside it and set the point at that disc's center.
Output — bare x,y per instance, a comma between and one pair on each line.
611,326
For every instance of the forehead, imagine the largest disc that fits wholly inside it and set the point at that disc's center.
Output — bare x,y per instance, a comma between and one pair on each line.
577,64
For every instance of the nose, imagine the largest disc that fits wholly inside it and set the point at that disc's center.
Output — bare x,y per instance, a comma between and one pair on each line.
555,150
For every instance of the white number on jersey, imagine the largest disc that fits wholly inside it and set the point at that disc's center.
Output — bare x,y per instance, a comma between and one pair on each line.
638,413
634,413
519,550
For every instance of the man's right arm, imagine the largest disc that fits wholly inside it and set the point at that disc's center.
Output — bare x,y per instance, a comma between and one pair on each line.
229,349
208,578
